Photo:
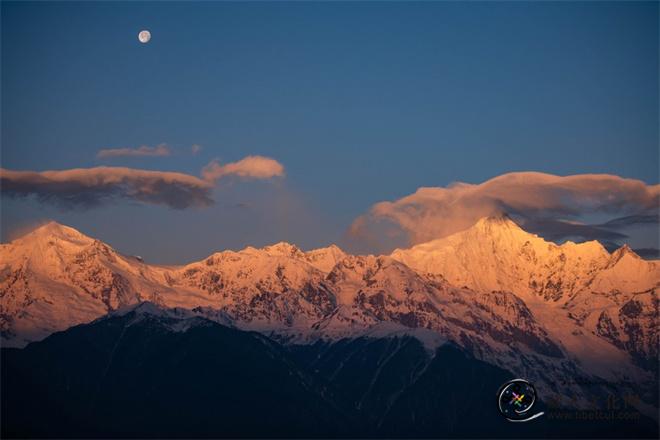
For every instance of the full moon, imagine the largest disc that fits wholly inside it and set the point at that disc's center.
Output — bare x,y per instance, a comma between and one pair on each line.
144,36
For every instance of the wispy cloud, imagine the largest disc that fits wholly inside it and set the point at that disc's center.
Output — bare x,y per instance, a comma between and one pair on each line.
89,187
544,201
194,149
251,167
144,150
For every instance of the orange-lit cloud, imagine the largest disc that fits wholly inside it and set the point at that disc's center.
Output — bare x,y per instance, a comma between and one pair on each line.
436,212
251,167
88,187
159,150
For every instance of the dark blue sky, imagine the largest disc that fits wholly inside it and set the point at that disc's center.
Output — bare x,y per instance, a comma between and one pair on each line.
361,102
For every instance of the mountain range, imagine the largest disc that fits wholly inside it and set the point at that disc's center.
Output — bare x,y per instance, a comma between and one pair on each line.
152,372
569,314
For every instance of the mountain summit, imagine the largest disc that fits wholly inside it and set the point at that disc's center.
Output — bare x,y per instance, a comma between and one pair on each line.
508,297
496,254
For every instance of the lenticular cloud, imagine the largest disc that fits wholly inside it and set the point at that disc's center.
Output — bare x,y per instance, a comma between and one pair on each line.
435,212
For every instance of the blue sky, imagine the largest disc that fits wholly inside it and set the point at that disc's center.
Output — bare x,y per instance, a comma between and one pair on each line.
360,102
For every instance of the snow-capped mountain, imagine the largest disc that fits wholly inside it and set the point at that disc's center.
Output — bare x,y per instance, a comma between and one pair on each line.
506,296
496,254
591,292
56,277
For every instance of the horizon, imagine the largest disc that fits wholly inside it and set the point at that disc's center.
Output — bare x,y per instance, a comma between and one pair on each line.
496,217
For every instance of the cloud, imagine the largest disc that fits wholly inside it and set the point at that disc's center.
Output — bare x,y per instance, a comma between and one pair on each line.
557,230
89,187
194,149
160,150
250,167
630,220
544,201
648,253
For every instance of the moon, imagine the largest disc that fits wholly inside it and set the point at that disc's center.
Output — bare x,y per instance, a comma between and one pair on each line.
144,36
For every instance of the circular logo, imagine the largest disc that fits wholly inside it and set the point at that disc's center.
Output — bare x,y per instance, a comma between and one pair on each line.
515,399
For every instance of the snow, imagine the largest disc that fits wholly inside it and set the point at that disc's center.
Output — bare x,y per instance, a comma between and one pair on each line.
481,288
430,339
496,254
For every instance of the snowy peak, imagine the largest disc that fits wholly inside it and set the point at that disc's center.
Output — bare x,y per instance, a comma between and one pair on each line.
323,259
627,272
499,230
50,246
327,256
495,222
593,248
54,246
623,252
53,230
284,249
497,254
503,232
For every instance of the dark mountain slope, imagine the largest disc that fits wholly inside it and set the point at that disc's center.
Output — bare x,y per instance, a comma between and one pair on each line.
151,372
133,376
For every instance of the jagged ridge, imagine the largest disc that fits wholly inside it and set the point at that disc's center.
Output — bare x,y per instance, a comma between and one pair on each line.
507,296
